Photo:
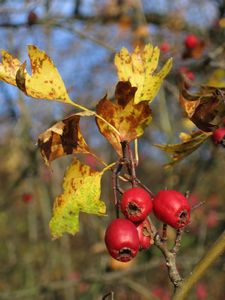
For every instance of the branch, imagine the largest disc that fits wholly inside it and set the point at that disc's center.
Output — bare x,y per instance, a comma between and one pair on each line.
150,17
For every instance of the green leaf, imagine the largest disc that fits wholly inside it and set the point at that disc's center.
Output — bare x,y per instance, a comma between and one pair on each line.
82,188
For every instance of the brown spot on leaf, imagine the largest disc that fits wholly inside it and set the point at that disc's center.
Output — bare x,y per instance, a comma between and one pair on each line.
61,139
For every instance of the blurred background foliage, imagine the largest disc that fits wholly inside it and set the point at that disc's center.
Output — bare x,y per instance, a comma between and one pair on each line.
82,36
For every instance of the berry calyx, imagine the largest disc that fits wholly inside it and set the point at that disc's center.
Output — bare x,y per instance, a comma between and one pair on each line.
144,234
191,41
219,136
172,208
136,204
121,239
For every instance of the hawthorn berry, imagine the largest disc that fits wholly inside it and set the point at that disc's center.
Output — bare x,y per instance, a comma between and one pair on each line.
121,239
165,47
136,204
219,136
191,41
172,207
27,197
144,234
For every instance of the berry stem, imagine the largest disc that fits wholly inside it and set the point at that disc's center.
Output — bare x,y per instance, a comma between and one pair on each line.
164,233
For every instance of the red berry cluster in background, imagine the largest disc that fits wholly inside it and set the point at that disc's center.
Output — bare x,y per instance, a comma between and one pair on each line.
125,237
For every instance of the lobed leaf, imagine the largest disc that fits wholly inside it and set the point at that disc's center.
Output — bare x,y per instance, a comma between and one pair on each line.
81,193
128,118
61,139
182,150
45,81
139,68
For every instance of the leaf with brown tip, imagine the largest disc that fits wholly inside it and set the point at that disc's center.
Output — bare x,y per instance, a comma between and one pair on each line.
128,118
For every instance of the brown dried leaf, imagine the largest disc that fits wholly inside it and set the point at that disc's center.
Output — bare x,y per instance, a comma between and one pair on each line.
205,109
61,139
182,150
128,118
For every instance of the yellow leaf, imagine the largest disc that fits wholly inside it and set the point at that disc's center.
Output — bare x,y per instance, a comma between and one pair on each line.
45,81
9,68
217,78
139,69
82,188
128,118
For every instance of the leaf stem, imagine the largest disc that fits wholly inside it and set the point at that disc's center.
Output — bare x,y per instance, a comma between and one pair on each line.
93,113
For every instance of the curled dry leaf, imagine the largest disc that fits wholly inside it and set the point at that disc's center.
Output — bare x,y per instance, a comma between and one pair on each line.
61,139
182,150
81,193
128,118
139,68
205,109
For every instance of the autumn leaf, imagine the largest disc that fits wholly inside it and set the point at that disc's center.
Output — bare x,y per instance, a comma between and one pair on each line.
45,81
128,118
81,193
180,151
206,108
61,139
9,68
139,68
217,78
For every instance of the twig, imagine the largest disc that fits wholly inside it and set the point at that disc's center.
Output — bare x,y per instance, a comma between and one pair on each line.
109,294
177,243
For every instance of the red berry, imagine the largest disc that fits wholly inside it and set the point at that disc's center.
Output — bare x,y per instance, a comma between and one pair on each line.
171,207
136,204
165,47
191,41
27,197
144,234
121,239
219,135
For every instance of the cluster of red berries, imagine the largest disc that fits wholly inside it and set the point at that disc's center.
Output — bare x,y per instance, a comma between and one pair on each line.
125,237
